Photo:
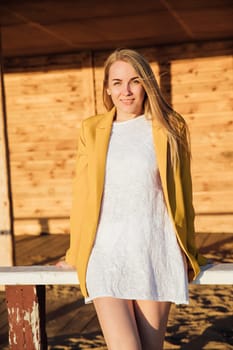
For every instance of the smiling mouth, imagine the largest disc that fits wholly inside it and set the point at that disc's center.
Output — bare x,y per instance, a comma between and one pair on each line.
127,101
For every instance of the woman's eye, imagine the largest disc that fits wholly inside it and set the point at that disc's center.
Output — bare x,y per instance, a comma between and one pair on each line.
116,83
136,81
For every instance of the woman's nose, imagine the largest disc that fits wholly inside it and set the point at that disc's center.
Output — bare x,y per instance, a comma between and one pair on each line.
126,90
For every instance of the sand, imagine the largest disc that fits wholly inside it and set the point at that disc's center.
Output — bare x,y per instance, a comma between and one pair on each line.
206,323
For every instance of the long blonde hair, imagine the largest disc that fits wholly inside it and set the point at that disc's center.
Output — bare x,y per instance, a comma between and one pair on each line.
155,105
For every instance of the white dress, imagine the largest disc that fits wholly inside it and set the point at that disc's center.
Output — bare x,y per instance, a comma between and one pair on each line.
135,254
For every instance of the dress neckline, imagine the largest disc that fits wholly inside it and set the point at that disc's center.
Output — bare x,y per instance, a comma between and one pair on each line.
142,116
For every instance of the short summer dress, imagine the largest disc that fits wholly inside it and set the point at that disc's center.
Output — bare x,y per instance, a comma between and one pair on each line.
135,254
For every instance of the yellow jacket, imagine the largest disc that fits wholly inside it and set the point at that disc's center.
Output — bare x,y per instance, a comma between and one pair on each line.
88,189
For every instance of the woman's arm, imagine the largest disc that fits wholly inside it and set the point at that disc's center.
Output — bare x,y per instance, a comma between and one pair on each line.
188,200
79,198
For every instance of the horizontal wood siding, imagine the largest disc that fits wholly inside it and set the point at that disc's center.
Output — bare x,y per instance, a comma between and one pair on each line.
202,91
49,96
45,107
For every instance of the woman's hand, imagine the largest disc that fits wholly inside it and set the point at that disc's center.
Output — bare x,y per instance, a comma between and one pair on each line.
62,263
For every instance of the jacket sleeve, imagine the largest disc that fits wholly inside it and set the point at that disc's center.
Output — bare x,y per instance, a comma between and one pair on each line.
79,197
188,201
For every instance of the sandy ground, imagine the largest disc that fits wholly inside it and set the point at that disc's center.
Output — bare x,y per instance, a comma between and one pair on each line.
206,323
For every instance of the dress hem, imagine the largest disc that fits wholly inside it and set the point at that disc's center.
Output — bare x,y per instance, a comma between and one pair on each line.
89,300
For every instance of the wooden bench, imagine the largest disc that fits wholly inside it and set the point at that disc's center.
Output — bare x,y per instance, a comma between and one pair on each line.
25,297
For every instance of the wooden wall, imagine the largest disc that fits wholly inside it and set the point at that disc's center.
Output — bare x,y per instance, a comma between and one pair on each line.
48,96
203,92
44,108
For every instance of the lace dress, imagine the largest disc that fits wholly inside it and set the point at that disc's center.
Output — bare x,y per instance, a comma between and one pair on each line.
136,254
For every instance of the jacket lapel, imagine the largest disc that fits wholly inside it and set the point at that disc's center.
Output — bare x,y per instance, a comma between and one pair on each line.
103,132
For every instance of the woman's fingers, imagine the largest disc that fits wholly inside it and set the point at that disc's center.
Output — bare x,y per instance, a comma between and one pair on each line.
63,264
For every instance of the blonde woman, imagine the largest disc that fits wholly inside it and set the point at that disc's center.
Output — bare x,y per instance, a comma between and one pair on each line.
132,222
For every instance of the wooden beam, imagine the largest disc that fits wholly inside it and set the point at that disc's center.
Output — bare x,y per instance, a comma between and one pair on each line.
26,316
178,19
41,28
6,207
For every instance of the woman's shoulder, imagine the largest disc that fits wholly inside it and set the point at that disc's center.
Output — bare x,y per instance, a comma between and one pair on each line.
99,120
93,119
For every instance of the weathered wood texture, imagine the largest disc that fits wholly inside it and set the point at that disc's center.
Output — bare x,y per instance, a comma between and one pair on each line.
26,316
49,96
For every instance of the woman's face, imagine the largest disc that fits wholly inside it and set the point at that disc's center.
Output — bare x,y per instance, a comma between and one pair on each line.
125,89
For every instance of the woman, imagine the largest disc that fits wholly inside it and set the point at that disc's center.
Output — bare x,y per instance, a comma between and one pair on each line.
132,221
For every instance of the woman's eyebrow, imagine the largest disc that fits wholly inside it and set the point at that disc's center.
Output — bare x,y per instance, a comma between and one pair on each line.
118,79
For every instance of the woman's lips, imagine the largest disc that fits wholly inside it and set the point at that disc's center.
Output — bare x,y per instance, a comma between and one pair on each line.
127,102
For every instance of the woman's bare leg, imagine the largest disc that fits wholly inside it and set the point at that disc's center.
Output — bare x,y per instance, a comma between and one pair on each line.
117,320
151,317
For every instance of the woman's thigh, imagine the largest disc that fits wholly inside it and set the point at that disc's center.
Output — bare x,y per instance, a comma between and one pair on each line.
151,317
117,320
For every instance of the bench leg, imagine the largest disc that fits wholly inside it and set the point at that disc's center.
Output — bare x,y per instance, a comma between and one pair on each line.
26,317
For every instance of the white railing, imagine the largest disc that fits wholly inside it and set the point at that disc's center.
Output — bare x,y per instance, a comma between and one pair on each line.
25,297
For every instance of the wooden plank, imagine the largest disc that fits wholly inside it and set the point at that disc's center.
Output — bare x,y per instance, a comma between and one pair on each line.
210,122
193,86
61,145
36,226
214,202
42,207
205,107
216,63
40,165
202,184
202,96
6,210
215,223
18,158
49,173
54,135
204,167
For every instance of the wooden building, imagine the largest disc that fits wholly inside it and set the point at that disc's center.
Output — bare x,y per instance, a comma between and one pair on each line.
53,58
